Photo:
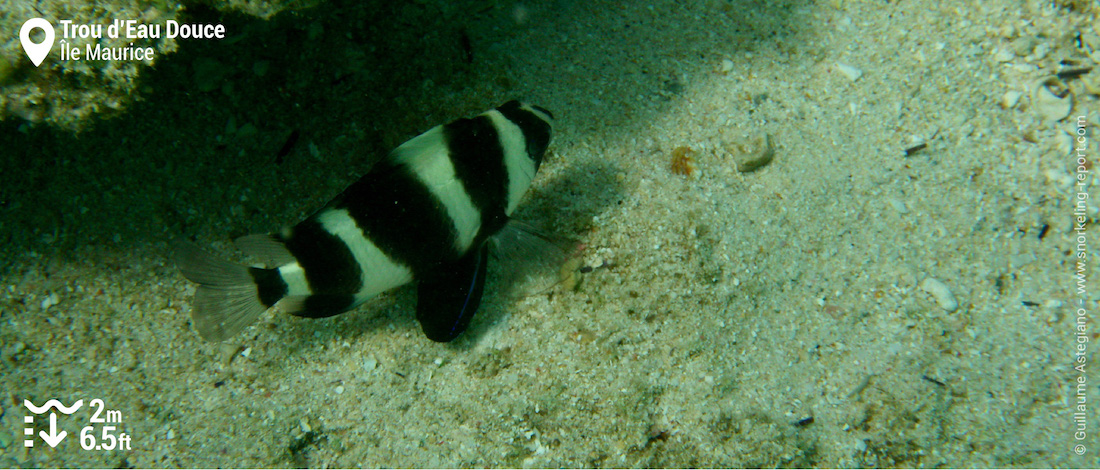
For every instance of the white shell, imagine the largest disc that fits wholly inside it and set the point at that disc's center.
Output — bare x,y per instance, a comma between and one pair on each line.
1046,104
852,73
939,291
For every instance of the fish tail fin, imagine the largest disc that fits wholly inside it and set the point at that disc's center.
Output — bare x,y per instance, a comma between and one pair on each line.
230,296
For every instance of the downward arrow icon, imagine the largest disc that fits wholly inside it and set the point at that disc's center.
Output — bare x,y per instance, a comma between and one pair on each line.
53,438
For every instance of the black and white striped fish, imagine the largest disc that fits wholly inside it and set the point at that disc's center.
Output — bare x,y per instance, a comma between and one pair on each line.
423,214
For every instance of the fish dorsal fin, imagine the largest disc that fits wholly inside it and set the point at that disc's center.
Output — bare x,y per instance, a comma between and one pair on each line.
446,303
266,248
427,145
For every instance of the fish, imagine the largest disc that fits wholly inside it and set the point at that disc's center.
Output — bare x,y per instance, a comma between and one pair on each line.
425,213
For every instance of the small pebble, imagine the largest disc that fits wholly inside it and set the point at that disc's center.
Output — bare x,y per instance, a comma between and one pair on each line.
852,73
10,351
939,291
1022,259
1041,50
316,29
726,67
171,434
370,364
50,301
1003,55
339,389
209,73
1023,45
1010,99
860,445
247,130
898,205
261,67
228,351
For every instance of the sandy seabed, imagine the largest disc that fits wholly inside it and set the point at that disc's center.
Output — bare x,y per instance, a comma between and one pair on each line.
896,288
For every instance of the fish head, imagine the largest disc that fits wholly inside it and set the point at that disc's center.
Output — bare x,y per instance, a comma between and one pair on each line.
537,124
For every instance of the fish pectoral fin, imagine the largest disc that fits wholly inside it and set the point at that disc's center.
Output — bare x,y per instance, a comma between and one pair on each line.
266,248
528,260
446,303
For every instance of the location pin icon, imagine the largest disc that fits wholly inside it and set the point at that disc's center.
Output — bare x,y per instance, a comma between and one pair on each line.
37,52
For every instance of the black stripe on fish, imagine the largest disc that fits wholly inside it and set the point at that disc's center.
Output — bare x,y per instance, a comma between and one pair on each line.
402,217
536,131
269,285
325,258
477,154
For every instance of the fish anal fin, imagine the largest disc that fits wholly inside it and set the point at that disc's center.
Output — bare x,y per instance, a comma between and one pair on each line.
318,305
446,303
292,304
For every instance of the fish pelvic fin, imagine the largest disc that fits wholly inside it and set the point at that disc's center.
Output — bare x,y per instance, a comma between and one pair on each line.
445,304
230,296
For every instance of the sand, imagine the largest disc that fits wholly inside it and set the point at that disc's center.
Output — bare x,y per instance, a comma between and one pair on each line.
845,305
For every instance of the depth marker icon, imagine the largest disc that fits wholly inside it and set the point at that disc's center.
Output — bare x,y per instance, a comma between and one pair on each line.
53,438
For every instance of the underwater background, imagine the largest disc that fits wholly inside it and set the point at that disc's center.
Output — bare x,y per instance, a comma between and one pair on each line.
816,234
